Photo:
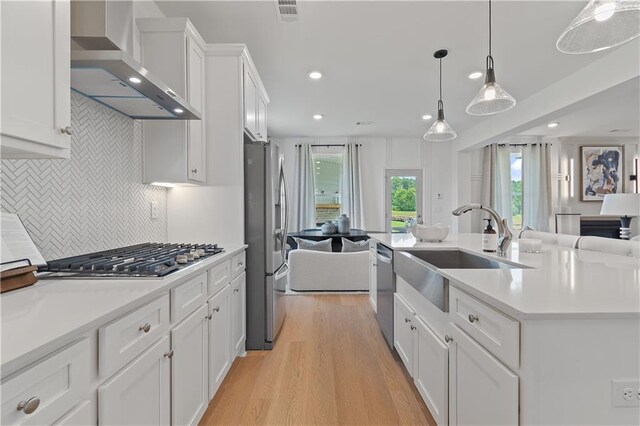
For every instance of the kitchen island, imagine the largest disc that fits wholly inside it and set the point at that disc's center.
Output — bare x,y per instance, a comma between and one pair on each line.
549,338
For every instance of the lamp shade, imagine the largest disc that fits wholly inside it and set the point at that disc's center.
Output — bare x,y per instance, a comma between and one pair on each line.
440,131
621,205
490,99
600,25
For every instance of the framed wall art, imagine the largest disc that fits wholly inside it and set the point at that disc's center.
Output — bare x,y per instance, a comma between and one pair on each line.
601,171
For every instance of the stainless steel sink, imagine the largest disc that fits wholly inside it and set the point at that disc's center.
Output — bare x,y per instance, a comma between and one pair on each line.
420,269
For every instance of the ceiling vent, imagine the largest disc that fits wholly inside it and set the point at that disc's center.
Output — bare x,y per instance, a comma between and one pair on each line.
287,10
619,130
364,123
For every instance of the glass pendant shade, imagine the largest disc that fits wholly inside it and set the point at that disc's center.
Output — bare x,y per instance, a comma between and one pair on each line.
602,24
491,98
440,130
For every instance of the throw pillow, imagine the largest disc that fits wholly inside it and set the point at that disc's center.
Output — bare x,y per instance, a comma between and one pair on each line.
324,245
349,246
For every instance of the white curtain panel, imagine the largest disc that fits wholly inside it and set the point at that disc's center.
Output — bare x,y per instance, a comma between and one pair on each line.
536,186
351,185
304,203
496,181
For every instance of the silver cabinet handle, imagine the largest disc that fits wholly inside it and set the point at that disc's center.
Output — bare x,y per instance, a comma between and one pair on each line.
67,130
473,318
216,309
374,264
169,354
413,327
171,93
448,339
240,263
29,406
194,170
209,317
235,290
407,320
145,327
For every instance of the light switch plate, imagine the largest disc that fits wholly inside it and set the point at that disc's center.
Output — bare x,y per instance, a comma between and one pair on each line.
625,393
155,210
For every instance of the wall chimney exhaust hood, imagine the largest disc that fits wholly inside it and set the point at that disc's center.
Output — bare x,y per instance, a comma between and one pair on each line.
105,72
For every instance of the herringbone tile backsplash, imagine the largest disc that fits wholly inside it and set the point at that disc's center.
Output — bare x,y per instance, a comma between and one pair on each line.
96,199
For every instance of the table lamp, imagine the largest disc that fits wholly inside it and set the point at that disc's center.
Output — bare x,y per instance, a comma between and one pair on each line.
625,206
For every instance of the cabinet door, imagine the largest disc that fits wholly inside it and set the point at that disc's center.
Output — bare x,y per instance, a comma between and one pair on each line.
431,371
373,288
250,103
482,391
403,329
189,372
262,119
238,314
195,84
79,416
35,79
219,339
139,393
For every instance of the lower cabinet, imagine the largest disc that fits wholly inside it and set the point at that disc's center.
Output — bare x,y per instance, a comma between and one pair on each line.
189,370
403,330
219,338
431,371
238,314
373,284
482,391
79,416
139,393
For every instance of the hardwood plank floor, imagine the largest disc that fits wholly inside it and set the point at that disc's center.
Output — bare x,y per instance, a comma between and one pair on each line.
330,366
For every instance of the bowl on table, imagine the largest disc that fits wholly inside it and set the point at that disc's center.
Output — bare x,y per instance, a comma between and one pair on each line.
434,233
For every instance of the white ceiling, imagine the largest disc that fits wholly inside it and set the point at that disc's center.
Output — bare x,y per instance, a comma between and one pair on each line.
616,109
377,57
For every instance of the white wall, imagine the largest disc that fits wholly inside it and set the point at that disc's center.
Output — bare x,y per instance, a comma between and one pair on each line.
382,153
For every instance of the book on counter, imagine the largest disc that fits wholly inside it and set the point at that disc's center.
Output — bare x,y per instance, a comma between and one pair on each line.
19,256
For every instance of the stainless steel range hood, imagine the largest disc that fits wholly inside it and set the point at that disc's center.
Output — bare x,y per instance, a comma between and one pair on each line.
113,78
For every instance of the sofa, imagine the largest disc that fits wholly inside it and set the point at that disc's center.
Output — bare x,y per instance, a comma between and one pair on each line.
324,271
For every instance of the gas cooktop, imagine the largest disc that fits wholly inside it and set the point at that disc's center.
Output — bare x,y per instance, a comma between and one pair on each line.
148,260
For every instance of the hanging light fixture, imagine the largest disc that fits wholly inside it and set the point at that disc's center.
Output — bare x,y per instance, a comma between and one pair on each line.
492,98
440,130
602,24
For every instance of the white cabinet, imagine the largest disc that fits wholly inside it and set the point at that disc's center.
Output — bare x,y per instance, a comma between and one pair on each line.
139,393
219,338
187,297
174,150
250,103
189,372
373,287
482,391
79,416
431,371
238,314
36,95
262,119
403,331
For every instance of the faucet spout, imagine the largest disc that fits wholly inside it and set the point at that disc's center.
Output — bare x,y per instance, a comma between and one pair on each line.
504,234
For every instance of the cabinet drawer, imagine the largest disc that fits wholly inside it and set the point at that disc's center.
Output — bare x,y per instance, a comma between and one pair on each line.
126,338
498,333
237,265
79,416
219,276
59,382
188,297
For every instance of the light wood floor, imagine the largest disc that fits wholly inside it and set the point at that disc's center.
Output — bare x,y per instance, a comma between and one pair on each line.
330,366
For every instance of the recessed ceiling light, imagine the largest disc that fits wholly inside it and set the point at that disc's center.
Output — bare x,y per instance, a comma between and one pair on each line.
315,75
475,75
427,117
318,117
135,80
552,125
178,110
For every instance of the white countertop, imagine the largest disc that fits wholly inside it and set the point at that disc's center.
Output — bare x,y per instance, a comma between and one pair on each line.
561,282
53,312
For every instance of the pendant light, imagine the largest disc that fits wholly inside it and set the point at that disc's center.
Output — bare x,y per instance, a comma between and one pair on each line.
492,98
602,24
440,130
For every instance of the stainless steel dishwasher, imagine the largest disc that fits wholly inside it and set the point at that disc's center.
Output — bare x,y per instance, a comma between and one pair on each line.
386,288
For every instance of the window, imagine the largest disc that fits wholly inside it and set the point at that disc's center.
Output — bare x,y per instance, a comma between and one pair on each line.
403,199
328,176
516,189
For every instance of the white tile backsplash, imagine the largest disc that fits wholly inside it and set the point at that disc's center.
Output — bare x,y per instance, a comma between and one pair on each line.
93,201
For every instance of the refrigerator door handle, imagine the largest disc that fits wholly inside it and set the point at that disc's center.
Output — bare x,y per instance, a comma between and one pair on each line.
285,235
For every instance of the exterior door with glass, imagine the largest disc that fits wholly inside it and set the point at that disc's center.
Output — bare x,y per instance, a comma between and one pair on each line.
403,198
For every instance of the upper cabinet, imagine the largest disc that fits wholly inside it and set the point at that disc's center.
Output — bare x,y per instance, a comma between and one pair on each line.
36,103
174,151
255,103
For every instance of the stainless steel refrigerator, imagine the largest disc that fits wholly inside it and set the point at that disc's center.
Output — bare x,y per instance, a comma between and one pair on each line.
266,224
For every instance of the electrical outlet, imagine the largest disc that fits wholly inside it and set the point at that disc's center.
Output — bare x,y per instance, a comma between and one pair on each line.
155,210
625,393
